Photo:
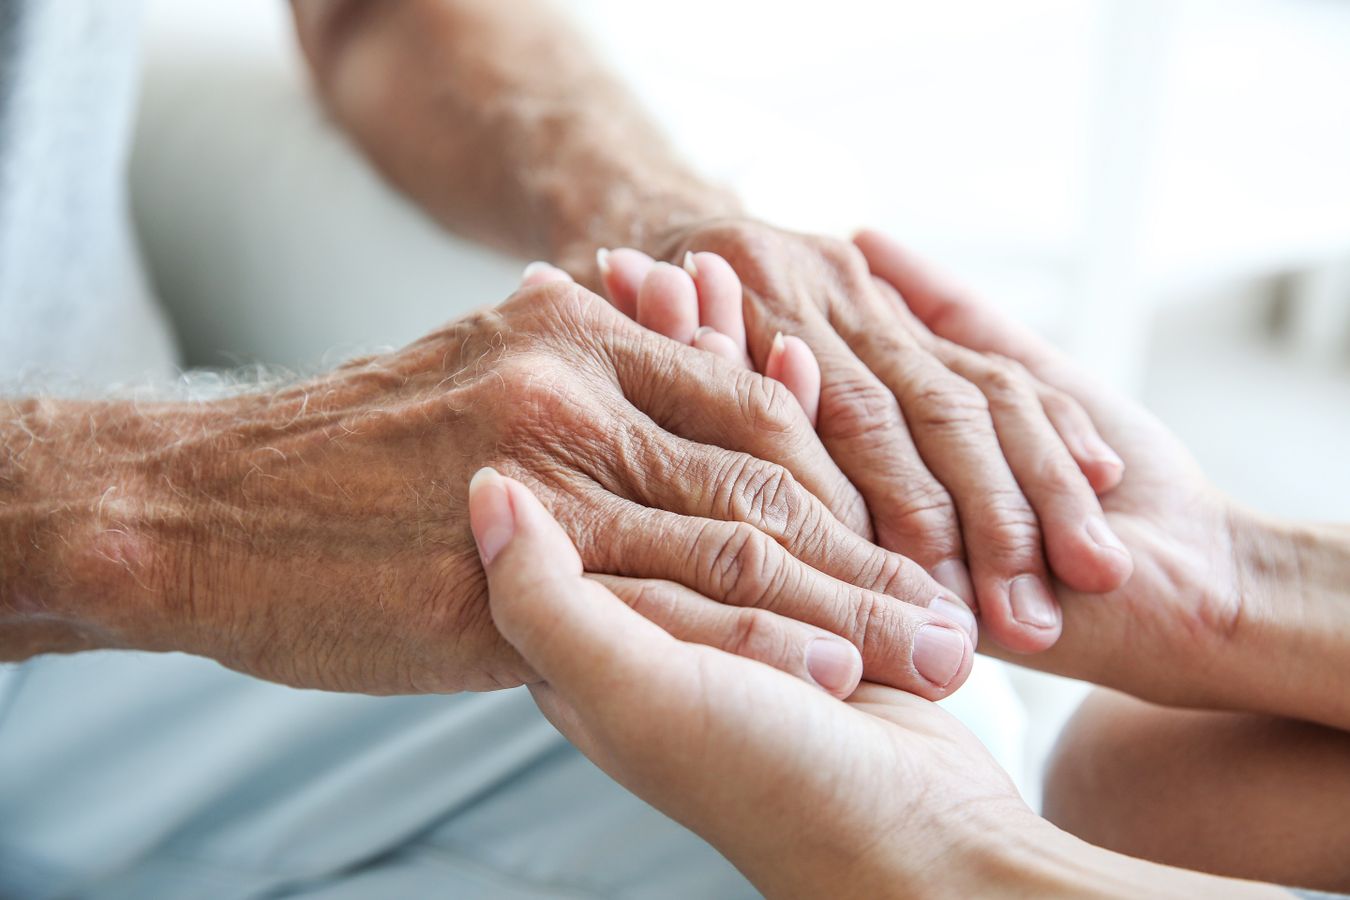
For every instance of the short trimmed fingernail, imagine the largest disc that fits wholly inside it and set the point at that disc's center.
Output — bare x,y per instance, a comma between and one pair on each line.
490,514
534,268
689,265
955,577
939,653
773,362
1103,536
602,261
955,612
1099,449
1031,604
703,331
833,663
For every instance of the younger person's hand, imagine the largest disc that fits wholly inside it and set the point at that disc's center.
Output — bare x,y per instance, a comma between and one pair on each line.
885,795
807,795
1223,609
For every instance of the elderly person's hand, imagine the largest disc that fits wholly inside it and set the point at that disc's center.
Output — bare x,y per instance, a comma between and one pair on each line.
967,464
886,795
1224,609
316,535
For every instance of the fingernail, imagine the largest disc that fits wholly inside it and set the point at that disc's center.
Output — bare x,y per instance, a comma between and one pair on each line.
1103,536
537,266
490,514
703,330
956,613
1032,605
1099,449
833,664
689,265
774,359
939,653
955,577
602,261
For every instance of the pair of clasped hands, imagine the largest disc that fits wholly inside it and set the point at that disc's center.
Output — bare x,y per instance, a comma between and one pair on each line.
1018,501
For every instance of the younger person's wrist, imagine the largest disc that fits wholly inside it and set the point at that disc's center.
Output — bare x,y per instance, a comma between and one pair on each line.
1293,642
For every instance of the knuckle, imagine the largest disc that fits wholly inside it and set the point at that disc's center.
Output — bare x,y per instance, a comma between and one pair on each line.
947,401
738,562
1006,385
1057,470
654,600
860,407
889,573
875,623
766,494
767,404
927,521
728,239
755,634
847,259
1012,532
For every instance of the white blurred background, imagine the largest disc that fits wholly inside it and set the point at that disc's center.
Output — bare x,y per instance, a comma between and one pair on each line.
1163,186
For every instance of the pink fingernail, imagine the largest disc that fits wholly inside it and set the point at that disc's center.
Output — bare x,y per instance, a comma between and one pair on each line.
602,261
834,664
1100,450
491,517
534,268
774,361
1031,603
689,265
939,653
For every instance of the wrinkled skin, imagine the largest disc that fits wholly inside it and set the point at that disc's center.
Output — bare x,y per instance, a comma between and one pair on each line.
967,463
916,427
317,536
1178,628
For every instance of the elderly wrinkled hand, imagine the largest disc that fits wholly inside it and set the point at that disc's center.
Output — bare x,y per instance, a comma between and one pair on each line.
315,535
969,465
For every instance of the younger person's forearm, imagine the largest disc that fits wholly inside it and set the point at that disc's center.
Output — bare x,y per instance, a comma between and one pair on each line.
1288,652
497,119
1301,642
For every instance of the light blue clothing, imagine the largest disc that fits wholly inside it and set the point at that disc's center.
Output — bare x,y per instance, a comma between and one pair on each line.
137,775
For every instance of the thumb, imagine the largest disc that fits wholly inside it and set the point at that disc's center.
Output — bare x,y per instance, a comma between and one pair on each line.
582,639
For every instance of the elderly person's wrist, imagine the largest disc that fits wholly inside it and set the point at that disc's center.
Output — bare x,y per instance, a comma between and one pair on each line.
643,213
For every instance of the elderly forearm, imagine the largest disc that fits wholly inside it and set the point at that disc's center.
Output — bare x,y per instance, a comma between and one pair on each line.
75,571
497,119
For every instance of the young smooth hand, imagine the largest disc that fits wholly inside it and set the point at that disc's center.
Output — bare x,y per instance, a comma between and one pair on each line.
885,795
